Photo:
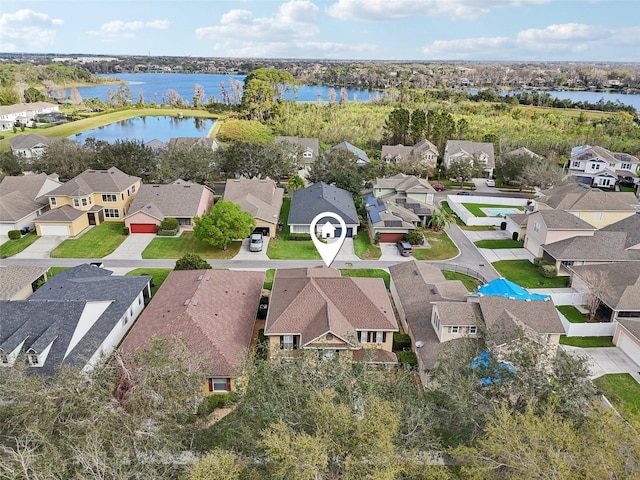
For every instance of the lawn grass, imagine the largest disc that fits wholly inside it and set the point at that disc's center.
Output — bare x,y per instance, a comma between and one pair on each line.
158,276
177,247
572,314
586,342
498,244
11,247
97,242
363,247
281,248
525,274
475,208
268,279
622,390
53,271
470,283
367,272
445,206
441,247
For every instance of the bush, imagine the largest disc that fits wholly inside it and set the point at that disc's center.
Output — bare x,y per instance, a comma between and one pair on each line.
538,261
376,238
299,237
548,270
408,358
217,400
125,231
415,237
169,224
167,233
401,341
192,261
14,234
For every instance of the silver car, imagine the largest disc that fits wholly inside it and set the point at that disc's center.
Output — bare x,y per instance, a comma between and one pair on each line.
255,243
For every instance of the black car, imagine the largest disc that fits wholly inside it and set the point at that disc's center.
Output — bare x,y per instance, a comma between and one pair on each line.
464,193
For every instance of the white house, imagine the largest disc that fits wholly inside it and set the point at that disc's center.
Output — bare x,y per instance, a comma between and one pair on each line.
601,167
24,113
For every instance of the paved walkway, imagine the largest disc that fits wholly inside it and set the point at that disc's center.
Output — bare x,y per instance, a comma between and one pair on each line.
604,360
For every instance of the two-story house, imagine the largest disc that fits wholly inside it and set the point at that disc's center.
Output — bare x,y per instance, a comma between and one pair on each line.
90,198
24,113
600,167
481,153
423,154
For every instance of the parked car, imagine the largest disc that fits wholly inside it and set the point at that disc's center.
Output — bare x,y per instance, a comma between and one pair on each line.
438,187
404,248
255,244
25,230
491,182
464,193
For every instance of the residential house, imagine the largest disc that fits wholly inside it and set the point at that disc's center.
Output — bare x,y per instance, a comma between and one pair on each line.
23,113
190,142
397,205
90,198
522,152
18,282
600,167
212,311
360,155
76,318
308,148
318,309
261,197
23,199
477,152
180,199
627,337
546,227
594,206
307,203
423,154
31,145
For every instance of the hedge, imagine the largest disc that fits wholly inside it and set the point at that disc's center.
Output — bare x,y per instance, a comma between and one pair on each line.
401,341
14,234
298,237
167,233
408,358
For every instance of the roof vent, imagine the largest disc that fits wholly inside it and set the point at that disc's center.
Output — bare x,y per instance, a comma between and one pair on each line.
207,277
195,302
187,302
199,277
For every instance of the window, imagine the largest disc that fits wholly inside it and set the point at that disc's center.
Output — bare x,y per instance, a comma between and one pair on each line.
54,201
381,337
128,193
575,164
84,202
122,195
536,227
454,329
288,342
76,202
133,189
111,213
219,384
372,337
4,358
626,166
473,330
597,215
33,358
109,197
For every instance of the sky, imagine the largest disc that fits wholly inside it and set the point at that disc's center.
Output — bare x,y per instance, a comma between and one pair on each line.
401,30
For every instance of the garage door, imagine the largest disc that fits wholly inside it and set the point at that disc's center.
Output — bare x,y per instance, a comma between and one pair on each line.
54,230
628,346
391,237
142,228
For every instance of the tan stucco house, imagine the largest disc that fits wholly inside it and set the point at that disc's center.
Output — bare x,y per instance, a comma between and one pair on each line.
260,197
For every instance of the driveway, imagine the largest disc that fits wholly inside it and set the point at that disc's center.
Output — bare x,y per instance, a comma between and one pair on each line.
132,247
245,254
347,252
390,253
42,247
604,360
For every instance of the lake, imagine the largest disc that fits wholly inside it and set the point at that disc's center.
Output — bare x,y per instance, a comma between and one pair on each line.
154,86
147,128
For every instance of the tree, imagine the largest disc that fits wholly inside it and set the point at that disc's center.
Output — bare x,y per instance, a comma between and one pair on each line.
192,261
217,465
543,174
194,163
32,95
131,156
296,182
250,159
440,218
224,223
512,167
264,91
66,158
9,164
8,96
418,125
198,95
461,168
397,126
337,166
74,96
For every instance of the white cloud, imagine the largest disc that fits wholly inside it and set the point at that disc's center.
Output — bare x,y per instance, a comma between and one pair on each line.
468,48
26,30
320,50
294,20
119,29
383,10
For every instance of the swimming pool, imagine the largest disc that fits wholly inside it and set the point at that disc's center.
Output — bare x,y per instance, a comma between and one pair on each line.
500,211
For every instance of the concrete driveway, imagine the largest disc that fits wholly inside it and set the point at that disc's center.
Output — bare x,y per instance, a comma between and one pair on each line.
604,360
42,247
132,247
390,253
245,254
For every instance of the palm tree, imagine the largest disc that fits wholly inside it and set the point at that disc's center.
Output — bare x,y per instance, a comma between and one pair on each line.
440,219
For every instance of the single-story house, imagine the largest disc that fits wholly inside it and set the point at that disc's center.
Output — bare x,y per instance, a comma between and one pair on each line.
360,155
23,199
212,311
180,199
18,282
320,197
31,145
260,197
76,318
318,309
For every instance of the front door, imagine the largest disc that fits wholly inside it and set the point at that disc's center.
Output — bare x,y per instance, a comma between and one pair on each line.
92,218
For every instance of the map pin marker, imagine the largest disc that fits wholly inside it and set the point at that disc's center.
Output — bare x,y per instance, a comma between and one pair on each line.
328,251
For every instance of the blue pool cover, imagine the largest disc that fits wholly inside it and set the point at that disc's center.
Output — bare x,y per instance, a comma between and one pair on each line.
501,287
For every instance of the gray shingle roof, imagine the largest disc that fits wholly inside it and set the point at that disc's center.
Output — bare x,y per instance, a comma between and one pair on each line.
602,246
112,180
620,287
65,213
260,197
178,199
629,225
308,202
14,278
471,149
578,197
362,157
21,195
563,220
540,316
312,144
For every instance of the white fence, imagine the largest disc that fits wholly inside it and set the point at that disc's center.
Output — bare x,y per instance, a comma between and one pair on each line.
561,296
455,203
587,329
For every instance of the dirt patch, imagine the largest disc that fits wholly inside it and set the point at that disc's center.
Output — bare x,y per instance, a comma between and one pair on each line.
218,414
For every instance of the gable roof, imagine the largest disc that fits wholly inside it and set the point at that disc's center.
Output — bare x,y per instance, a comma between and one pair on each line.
399,151
404,183
178,199
52,315
260,197
21,142
112,180
578,197
310,305
189,142
620,287
312,144
603,246
542,317
630,226
521,152
308,202
14,278
65,213
563,220
23,195
470,149
213,311
360,154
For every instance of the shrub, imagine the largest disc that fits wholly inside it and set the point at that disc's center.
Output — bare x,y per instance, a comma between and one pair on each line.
538,261
376,238
214,401
298,237
548,270
167,233
415,237
408,358
14,234
125,231
169,224
191,261
401,341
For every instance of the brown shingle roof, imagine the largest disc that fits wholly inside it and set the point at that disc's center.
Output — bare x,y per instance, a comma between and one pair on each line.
576,197
14,278
65,213
260,197
621,285
217,322
541,316
177,199
96,181
563,220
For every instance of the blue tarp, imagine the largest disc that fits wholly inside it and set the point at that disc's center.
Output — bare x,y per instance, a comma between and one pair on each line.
501,287
483,360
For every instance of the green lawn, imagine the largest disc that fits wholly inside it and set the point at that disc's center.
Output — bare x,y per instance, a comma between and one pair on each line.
158,275
586,342
525,274
53,271
572,313
363,247
11,247
498,244
97,242
441,247
445,206
470,283
177,247
367,272
475,208
268,279
281,248
624,394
